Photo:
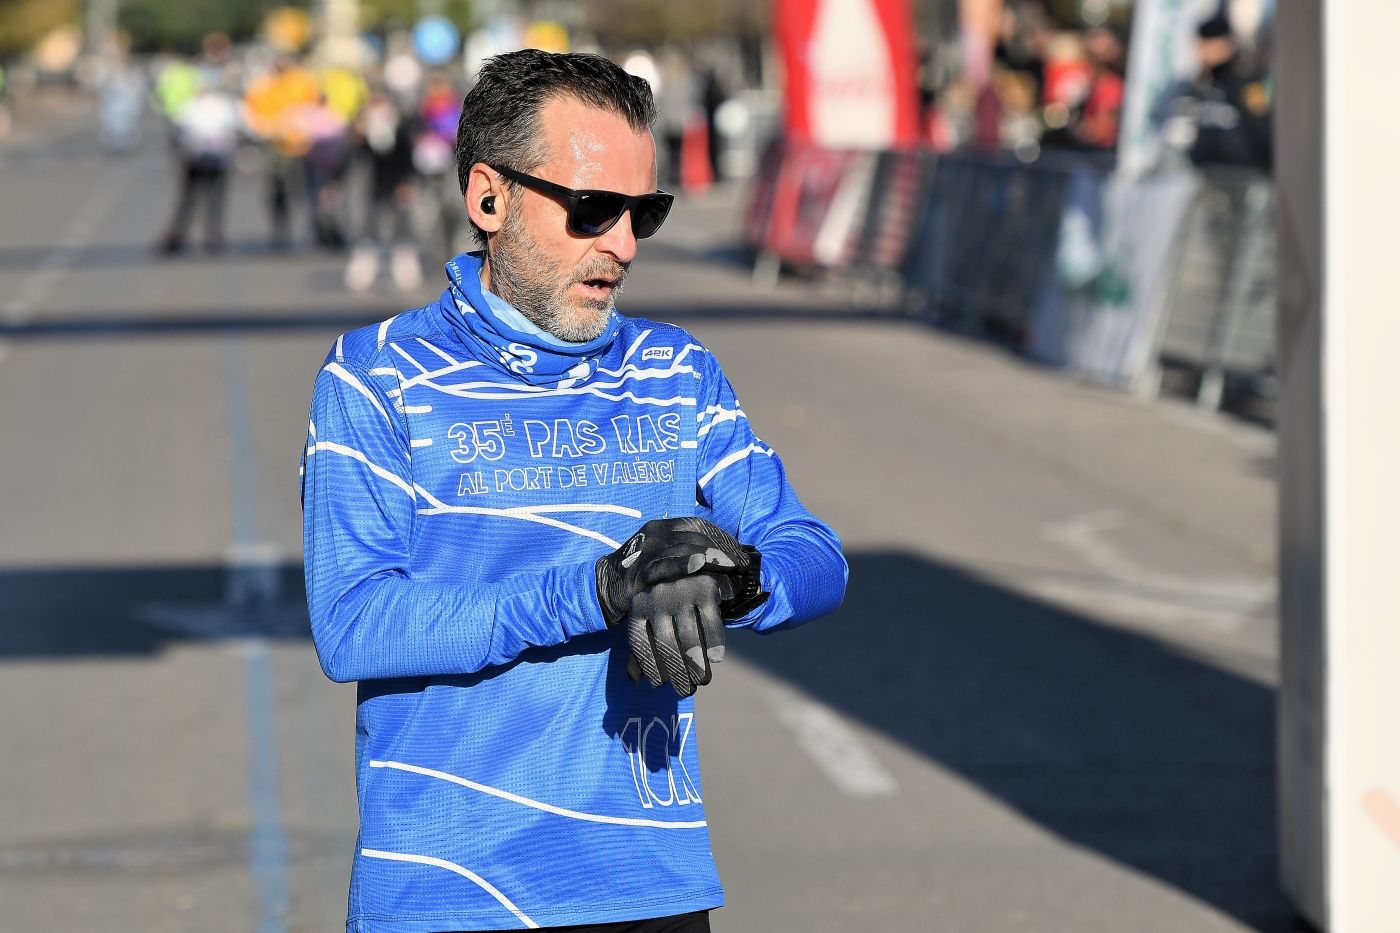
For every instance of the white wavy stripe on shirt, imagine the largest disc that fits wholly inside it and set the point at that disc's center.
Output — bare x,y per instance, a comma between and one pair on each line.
408,356
453,867
349,378
408,382
730,459
426,380
631,371
577,507
524,513
554,393
626,373
525,390
384,330
353,454
434,348
716,409
681,354
635,344
527,802
719,418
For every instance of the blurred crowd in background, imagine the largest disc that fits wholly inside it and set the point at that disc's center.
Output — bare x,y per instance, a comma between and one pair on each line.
350,133
303,128
1030,132
312,129
1055,84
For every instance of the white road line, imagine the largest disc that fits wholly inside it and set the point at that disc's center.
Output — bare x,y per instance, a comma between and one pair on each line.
25,303
1216,604
833,744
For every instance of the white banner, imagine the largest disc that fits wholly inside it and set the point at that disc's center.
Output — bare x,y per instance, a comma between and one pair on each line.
1161,56
1114,339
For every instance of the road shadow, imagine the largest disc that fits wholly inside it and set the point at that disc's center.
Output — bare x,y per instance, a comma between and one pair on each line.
1114,741
128,254
124,323
70,612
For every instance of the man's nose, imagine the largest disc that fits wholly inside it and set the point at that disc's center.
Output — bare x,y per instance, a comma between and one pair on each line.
619,242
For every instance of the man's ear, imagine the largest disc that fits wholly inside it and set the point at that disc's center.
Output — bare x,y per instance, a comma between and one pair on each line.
485,198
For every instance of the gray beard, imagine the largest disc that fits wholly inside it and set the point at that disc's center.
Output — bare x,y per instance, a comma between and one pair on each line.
519,274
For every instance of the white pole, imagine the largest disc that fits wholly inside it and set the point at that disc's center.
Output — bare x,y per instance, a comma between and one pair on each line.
1339,449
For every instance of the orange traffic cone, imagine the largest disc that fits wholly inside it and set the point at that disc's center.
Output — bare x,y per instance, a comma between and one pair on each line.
696,176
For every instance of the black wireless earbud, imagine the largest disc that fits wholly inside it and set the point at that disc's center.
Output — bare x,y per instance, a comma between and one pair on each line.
488,204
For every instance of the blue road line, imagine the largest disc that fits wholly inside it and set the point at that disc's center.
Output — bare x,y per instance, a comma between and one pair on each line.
267,843
240,440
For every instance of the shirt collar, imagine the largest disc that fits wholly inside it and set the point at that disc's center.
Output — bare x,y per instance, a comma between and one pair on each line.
509,340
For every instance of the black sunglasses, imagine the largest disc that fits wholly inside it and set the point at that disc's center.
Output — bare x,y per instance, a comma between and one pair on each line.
593,212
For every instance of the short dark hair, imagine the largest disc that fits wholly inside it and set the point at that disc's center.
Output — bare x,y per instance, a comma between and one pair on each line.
500,115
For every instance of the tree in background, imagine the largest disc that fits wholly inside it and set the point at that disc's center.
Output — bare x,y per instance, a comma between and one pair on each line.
24,22
179,25
375,15
650,23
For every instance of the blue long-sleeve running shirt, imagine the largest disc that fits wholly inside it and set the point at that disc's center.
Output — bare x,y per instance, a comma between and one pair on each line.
463,473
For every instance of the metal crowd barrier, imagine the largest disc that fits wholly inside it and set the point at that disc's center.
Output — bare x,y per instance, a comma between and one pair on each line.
985,244
1222,290
985,241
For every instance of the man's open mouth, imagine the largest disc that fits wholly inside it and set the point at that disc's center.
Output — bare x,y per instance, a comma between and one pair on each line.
600,283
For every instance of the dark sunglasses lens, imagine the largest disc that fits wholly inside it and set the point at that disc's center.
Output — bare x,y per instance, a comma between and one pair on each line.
649,214
594,213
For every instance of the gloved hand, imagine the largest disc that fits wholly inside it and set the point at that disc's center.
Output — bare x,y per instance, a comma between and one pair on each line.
748,586
675,631
666,549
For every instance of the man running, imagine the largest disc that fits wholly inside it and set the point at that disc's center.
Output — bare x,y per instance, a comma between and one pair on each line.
525,516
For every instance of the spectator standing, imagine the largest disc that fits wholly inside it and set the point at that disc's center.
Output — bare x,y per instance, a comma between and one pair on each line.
206,134
121,101
177,81
434,159
276,104
325,163
386,140
1229,103
678,103
1096,126
713,97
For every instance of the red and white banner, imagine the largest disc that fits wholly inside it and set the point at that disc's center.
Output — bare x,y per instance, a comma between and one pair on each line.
850,72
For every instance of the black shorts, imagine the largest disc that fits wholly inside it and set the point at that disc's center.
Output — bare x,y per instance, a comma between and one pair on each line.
698,922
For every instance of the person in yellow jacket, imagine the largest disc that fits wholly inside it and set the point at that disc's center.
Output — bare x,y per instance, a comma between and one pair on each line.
176,85
345,91
275,104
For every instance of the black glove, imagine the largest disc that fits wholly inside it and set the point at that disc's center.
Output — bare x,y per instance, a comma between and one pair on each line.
665,549
675,631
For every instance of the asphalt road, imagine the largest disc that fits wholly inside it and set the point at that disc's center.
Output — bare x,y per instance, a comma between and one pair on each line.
1047,704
